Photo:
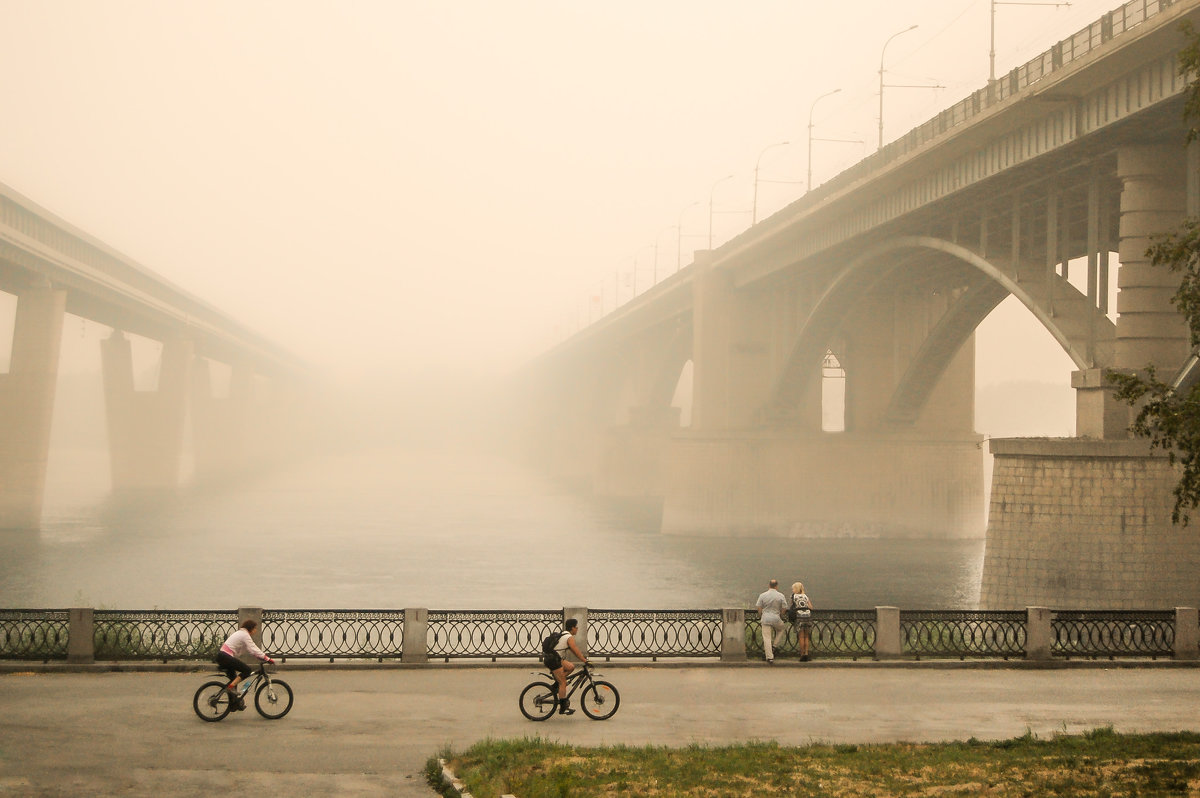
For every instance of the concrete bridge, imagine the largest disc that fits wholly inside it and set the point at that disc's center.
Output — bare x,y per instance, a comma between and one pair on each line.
832,350
53,269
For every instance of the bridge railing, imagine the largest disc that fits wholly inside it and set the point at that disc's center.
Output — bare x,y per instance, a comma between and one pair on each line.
417,635
1063,53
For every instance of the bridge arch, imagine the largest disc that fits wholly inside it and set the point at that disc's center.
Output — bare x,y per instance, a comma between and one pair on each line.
1074,321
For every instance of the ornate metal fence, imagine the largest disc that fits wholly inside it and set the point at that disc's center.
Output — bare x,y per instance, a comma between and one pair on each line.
654,633
160,634
114,635
1112,633
34,634
490,634
833,634
963,633
358,634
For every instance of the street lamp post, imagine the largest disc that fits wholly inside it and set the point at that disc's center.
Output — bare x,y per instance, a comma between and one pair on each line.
710,206
992,36
754,206
881,52
808,182
679,237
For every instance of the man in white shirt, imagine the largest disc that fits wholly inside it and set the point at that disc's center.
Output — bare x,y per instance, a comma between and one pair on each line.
771,605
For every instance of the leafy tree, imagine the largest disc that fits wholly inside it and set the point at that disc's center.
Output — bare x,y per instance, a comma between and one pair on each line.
1170,418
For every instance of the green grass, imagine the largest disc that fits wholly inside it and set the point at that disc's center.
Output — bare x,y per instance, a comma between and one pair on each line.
1098,763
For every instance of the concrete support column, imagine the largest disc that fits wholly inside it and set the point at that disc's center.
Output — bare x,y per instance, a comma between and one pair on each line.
416,635
710,347
1153,202
81,635
1187,633
580,614
1039,633
887,633
733,635
1098,413
731,350
222,432
27,406
145,428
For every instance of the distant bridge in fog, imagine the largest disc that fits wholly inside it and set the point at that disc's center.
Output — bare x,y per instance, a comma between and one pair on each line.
53,268
1046,185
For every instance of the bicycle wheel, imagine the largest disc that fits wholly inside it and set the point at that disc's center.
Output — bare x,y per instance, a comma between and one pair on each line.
600,701
273,700
211,701
539,700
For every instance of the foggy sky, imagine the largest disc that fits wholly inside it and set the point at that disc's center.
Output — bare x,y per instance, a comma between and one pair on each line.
414,185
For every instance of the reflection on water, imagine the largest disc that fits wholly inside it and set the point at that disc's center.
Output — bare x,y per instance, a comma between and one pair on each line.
446,530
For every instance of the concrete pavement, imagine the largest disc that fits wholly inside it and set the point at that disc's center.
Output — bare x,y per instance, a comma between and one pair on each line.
369,732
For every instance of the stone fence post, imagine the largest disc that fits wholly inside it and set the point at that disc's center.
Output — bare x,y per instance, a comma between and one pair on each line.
1187,633
581,635
415,646
1039,633
733,635
887,633
81,635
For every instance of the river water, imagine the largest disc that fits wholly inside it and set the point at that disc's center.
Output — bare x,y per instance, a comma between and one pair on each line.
406,526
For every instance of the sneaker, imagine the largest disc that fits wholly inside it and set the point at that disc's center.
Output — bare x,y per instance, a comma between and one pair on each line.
565,709
771,661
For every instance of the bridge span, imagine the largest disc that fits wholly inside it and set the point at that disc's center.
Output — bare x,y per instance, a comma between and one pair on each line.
1046,185
53,268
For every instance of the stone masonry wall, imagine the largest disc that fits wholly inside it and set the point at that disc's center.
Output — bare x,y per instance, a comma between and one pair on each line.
1080,523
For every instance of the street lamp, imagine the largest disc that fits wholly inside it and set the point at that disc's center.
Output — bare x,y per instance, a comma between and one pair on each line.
992,49
881,52
808,182
679,237
754,207
710,205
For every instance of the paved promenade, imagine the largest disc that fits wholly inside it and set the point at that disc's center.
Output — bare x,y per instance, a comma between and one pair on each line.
369,732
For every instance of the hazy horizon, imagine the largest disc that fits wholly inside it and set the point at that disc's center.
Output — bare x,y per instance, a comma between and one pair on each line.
414,188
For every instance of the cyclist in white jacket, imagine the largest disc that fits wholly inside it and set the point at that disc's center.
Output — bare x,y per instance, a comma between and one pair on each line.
229,657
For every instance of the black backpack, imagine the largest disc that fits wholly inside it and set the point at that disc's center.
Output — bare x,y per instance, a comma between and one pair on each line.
549,643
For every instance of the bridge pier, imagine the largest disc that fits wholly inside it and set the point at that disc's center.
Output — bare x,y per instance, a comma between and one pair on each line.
27,406
631,456
220,427
1079,523
145,428
781,482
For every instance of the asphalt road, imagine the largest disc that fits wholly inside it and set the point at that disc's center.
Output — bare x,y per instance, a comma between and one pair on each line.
369,732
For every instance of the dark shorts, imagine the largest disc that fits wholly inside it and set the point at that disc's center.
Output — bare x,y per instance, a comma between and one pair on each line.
553,661
230,665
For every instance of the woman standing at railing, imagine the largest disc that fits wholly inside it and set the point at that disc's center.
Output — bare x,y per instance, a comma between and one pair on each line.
801,619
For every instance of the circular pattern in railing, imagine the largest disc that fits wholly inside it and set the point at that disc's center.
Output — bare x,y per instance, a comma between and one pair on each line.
154,634
34,634
654,633
1113,633
364,634
963,633
494,634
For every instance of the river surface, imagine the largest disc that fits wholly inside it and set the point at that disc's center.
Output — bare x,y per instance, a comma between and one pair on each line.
411,527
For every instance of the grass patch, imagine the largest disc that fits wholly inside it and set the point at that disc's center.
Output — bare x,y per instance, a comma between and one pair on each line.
1098,763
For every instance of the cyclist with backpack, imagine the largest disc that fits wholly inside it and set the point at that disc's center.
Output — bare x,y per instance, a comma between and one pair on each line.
553,648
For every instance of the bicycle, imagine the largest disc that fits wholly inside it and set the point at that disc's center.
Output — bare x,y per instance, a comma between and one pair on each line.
599,699
272,697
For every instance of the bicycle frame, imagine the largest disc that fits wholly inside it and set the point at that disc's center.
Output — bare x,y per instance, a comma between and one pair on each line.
581,677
